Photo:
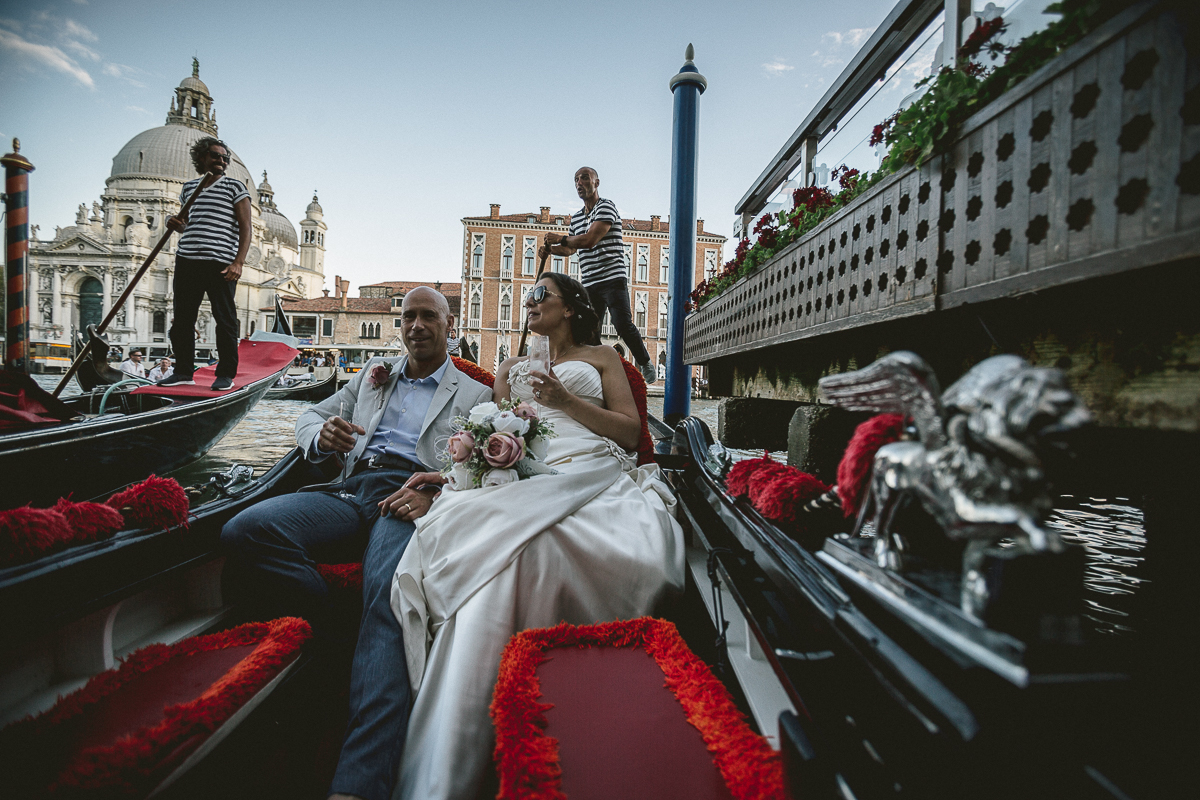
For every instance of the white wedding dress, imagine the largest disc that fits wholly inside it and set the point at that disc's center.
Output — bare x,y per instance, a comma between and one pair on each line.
595,543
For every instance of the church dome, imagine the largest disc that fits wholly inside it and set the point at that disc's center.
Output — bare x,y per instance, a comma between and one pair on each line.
165,152
279,227
194,83
314,207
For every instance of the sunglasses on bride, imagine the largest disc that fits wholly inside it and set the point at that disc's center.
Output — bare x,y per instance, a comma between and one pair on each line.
539,294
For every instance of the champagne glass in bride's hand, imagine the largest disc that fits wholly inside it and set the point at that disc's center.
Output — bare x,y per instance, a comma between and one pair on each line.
539,356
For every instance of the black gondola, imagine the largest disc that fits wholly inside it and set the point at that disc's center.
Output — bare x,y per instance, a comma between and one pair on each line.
123,436
292,387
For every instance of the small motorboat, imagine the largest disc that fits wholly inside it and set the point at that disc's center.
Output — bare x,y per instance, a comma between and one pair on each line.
305,387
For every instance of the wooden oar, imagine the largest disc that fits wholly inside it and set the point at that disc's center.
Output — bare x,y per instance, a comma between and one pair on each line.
112,312
525,327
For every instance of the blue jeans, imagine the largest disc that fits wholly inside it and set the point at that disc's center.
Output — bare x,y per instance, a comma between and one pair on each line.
277,544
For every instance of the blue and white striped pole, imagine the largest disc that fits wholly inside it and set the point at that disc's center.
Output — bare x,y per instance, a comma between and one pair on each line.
687,86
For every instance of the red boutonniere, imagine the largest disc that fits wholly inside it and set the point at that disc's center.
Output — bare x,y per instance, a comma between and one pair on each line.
380,375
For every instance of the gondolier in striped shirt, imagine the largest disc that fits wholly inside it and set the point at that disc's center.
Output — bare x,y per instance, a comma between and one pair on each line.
596,236
209,260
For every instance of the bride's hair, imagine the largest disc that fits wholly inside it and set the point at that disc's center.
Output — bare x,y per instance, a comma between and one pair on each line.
585,324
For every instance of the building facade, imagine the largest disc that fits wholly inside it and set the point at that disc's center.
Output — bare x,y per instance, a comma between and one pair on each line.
500,262
372,318
79,273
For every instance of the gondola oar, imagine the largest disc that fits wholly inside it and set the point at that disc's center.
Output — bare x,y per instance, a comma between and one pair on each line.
112,312
525,326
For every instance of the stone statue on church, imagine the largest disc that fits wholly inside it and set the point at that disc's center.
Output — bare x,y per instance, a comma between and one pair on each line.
81,215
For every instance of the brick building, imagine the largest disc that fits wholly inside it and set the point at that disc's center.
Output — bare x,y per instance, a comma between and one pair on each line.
371,318
500,262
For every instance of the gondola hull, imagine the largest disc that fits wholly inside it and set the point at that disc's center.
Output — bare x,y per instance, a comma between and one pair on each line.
306,392
88,458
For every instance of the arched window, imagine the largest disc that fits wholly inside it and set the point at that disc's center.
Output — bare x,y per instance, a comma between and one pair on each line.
530,251
476,304
506,259
664,264
160,322
362,330
643,263
477,259
505,308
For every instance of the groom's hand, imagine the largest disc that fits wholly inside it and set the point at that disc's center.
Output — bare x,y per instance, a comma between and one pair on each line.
337,435
407,504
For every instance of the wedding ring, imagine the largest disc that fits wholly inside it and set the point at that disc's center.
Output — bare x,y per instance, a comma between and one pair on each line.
407,508
538,395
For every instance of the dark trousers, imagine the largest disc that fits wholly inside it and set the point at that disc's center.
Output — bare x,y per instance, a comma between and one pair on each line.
193,279
614,296
276,545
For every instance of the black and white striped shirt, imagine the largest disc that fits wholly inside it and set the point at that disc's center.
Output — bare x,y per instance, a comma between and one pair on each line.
212,230
605,261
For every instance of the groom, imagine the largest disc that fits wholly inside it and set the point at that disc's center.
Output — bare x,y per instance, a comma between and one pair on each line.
399,409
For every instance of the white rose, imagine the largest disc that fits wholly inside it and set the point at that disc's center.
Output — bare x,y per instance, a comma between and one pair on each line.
481,412
538,447
508,422
499,477
460,478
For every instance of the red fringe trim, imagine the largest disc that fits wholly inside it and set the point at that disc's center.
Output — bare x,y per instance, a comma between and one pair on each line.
131,764
342,576
155,502
29,533
782,496
645,448
854,471
737,482
474,371
527,759
89,522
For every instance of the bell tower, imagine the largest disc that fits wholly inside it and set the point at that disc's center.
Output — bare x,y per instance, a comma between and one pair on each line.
312,243
192,105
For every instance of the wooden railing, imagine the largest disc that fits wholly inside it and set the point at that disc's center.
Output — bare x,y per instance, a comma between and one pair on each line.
1089,167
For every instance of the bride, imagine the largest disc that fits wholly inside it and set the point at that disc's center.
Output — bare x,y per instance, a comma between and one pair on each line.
596,542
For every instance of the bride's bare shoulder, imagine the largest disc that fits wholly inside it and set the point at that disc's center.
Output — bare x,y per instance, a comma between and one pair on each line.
602,357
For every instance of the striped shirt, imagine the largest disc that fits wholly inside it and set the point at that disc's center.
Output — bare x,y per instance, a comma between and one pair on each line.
212,230
605,261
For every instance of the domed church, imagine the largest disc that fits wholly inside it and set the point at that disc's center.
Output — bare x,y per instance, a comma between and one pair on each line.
82,270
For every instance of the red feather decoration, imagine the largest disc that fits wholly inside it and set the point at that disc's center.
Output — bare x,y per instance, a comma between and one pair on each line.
783,494
854,471
153,502
89,522
342,576
737,482
637,384
474,371
29,533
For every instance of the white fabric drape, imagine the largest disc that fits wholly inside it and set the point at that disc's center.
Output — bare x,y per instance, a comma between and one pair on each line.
595,543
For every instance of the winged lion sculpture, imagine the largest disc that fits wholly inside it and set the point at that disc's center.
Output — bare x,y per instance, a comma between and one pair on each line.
974,464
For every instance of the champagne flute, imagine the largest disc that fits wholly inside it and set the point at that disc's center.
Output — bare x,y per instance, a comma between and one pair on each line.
342,493
539,355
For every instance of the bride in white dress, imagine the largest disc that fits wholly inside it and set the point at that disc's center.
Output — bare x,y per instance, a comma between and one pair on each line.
596,542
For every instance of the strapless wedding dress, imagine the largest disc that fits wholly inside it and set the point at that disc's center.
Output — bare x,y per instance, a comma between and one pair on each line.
595,543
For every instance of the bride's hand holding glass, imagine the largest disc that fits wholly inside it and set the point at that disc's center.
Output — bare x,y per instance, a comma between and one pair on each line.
549,391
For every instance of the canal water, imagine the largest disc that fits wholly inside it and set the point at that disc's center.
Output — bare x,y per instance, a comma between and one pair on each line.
1109,529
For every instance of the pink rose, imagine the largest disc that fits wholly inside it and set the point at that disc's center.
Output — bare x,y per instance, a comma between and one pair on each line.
379,375
504,450
462,444
526,411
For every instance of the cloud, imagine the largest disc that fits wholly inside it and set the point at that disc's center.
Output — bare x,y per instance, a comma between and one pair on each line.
45,55
124,72
777,67
74,30
81,50
137,108
837,46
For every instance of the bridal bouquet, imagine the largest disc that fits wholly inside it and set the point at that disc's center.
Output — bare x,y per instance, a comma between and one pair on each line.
497,443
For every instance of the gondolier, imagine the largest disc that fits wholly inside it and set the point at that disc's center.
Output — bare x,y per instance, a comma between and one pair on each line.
212,251
596,236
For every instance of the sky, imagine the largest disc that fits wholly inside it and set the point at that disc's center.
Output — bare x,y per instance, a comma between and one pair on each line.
406,117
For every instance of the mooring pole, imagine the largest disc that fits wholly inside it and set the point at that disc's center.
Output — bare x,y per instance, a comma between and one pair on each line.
16,241
687,86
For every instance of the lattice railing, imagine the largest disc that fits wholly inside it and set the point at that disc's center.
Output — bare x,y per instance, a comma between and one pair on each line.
1089,167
